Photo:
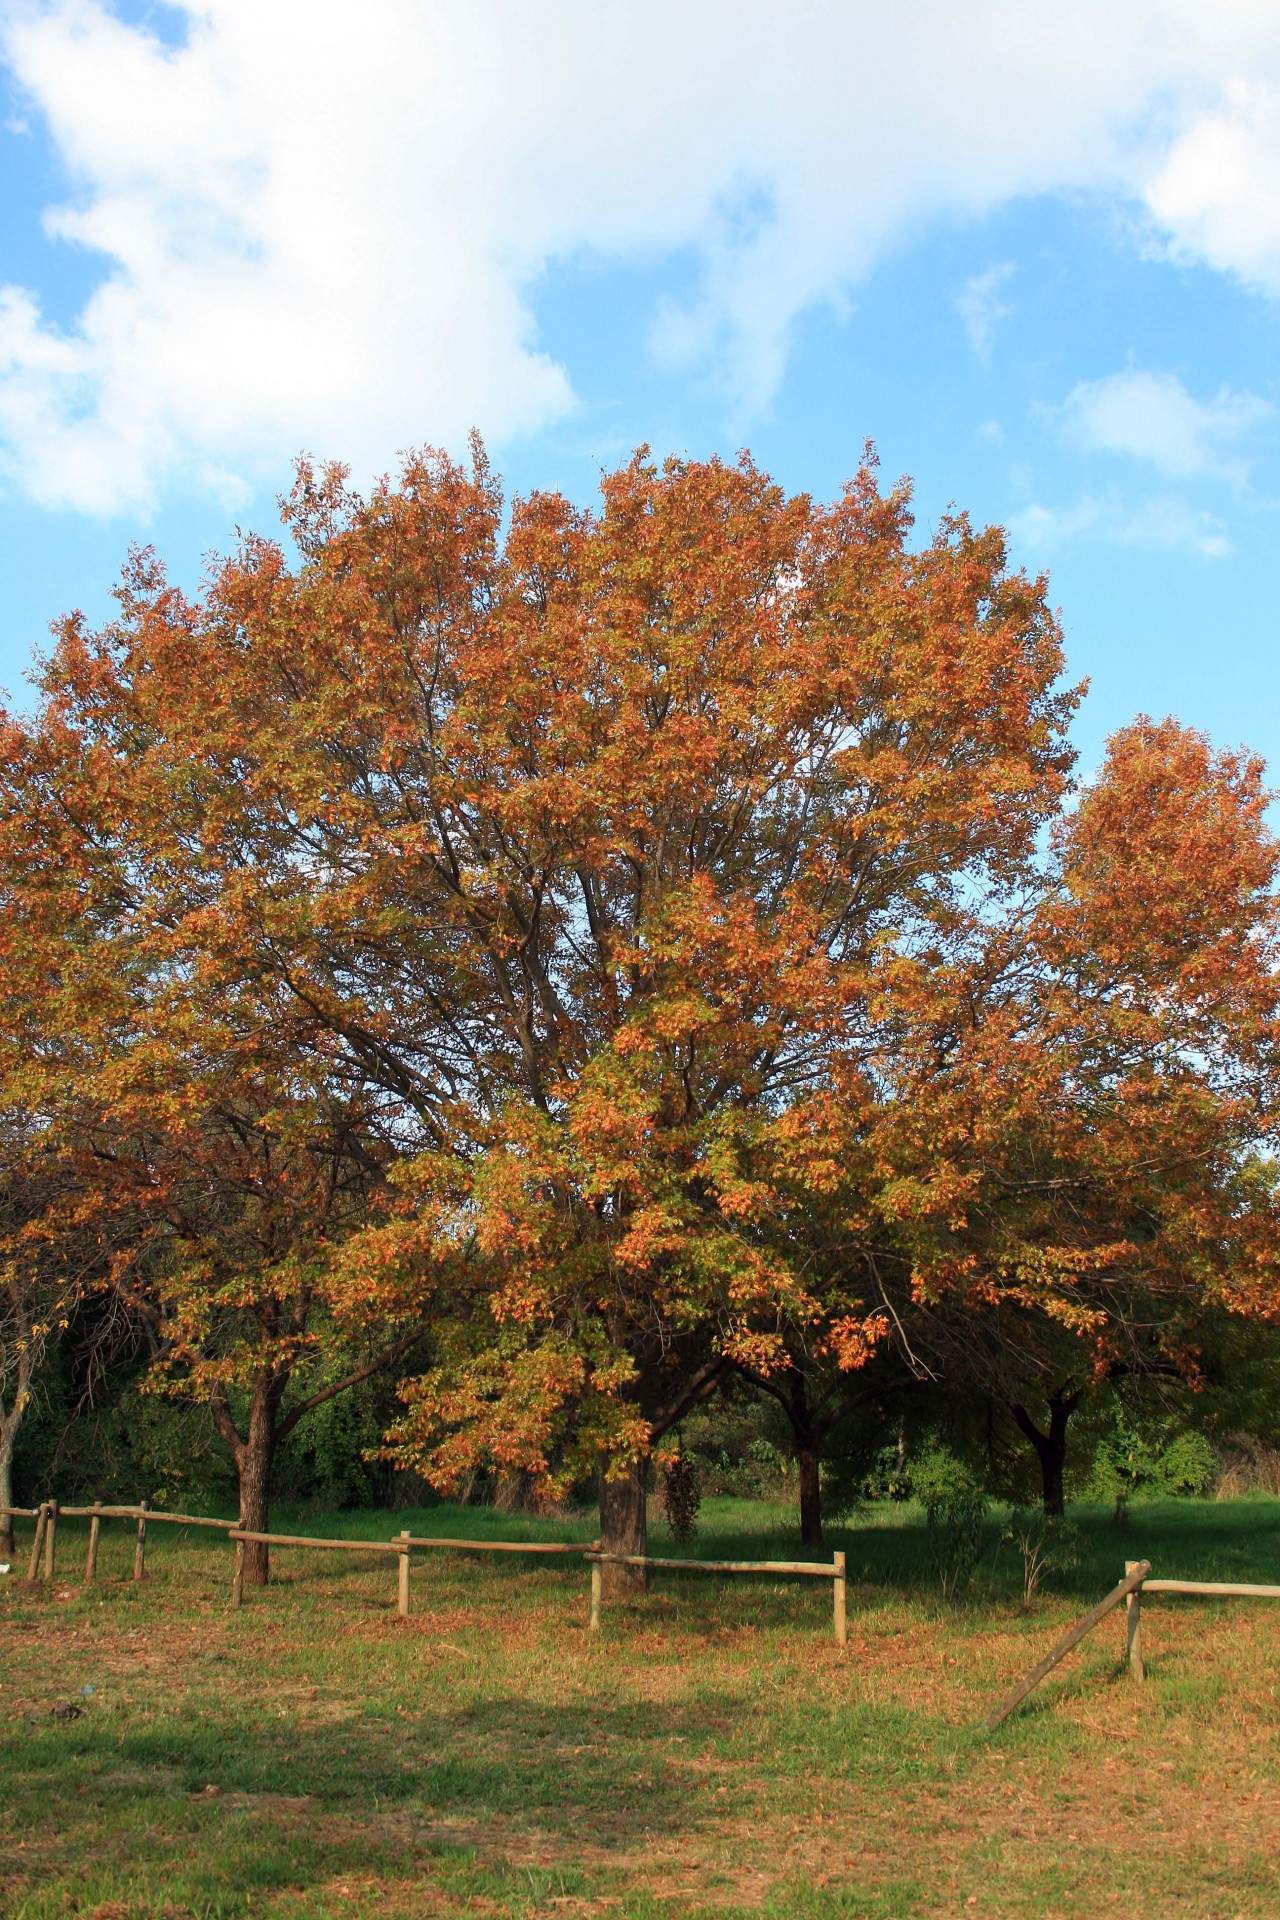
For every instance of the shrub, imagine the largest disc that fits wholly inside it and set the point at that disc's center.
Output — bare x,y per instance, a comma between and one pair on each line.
1046,1544
955,1505
1157,1459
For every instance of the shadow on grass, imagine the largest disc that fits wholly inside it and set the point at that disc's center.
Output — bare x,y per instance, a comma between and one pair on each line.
888,1545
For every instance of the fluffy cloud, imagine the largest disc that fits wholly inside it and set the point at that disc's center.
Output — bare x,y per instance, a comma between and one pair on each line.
1166,521
323,226
981,307
1152,417
1216,194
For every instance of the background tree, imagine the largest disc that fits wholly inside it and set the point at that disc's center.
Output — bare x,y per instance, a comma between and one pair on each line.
41,1271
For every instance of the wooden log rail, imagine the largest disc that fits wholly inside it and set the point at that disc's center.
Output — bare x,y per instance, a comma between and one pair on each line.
1213,1589
403,1545
1136,1583
836,1572
49,1512
143,1511
500,1546
1133,1579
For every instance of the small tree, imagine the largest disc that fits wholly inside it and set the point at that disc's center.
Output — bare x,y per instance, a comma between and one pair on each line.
955,1505
210,1155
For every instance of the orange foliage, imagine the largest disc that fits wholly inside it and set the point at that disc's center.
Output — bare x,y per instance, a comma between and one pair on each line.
644,919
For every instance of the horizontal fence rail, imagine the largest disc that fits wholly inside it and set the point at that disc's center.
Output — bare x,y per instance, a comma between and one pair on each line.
244,1535
307,1540
1213,1589
1138,1579
145,1513
836,1572
500,1546
818,1568
404,1545
47,1515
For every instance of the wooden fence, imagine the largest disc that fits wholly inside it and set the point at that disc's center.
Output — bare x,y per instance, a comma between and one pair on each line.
44,1546
1137,1581
837,1573
403,1545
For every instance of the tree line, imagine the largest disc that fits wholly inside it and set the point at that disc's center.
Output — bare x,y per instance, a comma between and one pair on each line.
567,961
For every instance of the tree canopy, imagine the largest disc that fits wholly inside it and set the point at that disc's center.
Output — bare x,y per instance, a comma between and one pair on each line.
619,947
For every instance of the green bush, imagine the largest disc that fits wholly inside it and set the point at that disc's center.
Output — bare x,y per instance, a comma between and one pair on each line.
955,1505
1155,1458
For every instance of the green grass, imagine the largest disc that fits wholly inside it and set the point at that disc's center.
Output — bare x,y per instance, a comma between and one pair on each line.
709,1752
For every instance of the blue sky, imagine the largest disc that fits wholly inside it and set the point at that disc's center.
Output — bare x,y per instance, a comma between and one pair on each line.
1038,264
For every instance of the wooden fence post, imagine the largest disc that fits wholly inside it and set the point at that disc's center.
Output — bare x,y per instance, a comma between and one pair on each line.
37,1545
841,1601
402,1588
237,1578
140,1549
1133,1621
91,1557
51,1541
597,1588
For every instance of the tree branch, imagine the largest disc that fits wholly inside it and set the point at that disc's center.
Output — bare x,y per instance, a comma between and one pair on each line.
366,1372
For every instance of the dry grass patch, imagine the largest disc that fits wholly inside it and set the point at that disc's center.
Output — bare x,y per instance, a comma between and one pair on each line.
710,1752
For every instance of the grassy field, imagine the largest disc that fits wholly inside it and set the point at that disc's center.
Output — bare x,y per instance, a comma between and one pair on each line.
711,1751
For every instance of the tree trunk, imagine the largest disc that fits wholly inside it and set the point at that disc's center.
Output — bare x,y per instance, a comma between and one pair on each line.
624,1527
511,1490
254,1459
810,1491
805,1435
9,1424
1051,1448
8,1435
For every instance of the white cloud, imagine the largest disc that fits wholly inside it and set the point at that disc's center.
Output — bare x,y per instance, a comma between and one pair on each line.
1216,193
1165,521
1041,528
1152,417
322,226
1168,521
980,306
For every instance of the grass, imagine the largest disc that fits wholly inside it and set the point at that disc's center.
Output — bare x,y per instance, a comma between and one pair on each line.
711,1751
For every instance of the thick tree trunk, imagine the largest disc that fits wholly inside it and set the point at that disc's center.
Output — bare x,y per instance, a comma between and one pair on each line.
9,1424
1051,1448
810,1491
624,1528
254,1459
805,1435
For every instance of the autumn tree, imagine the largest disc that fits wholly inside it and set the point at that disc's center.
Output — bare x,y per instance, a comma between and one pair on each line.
660,894
616,855
41,1271
1097,1144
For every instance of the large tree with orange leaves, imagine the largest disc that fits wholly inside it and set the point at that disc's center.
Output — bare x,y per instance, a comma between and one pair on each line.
662,889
